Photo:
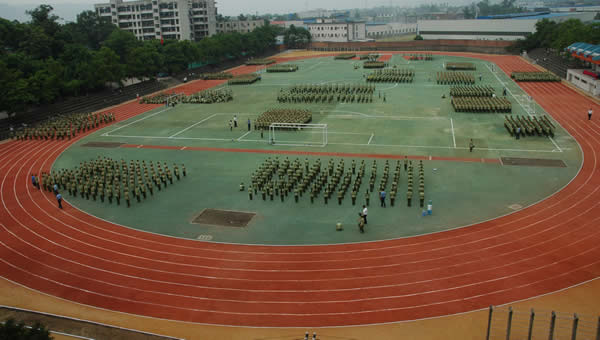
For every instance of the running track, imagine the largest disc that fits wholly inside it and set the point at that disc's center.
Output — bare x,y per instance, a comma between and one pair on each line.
69,254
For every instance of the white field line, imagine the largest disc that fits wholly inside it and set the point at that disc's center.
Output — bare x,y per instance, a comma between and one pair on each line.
389,88
135,121
370,139
313,66
509,91
350,144
519,102
453,136
191,126
555,144
244,135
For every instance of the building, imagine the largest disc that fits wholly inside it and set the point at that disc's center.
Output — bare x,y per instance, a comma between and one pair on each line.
501,27
320,13
335,31
168,19
286,24
240,26
586,80
377,30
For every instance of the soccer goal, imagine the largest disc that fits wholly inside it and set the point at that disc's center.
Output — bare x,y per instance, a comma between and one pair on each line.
295,134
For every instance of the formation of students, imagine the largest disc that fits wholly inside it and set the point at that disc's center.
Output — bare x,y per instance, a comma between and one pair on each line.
275,177
110,180
64,126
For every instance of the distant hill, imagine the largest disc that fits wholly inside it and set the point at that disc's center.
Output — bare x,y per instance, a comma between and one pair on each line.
67,11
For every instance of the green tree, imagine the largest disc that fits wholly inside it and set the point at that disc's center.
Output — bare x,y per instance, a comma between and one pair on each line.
121,42
93,28
295,37
144,61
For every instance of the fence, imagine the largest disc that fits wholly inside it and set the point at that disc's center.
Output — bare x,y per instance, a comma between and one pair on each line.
508,323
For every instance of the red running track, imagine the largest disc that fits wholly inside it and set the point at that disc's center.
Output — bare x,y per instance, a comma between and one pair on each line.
69,254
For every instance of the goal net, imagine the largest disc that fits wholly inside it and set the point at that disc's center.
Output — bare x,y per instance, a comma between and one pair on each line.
296,134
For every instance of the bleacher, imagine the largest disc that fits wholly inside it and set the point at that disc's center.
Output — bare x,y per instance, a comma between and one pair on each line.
553,62
89,103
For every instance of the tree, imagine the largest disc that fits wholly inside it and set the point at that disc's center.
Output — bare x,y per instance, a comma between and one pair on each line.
121,42
93,28
18,331
42,17
418,37
242,17
296,37
145,61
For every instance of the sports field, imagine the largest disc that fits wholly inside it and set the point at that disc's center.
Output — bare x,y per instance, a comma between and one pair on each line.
550,246
414,121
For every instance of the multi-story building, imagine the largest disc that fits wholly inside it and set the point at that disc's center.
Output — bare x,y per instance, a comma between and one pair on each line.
240,26
167,19
334,31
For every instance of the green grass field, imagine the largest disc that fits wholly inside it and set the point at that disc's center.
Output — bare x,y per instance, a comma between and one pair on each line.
414,120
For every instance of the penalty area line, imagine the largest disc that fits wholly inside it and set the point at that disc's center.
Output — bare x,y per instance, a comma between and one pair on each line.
191,126
244,135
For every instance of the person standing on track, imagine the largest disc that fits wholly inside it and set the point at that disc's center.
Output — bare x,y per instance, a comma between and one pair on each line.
590,111
33,180
59,199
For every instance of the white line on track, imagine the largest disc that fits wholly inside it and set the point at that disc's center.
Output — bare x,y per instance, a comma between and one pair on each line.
191,126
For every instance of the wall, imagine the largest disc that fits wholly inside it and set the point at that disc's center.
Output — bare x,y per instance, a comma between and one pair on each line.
477,46
584,82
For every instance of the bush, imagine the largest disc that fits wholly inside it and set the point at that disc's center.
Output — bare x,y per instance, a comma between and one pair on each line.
18,331
345,56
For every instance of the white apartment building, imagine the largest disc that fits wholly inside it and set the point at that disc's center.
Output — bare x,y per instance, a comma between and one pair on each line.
169,19
240,26
381,30
330,31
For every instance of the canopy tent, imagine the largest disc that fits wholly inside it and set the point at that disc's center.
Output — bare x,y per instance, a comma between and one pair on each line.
585,51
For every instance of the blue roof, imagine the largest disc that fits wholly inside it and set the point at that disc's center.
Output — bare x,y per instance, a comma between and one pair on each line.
545,16
525,16
511,15
585,49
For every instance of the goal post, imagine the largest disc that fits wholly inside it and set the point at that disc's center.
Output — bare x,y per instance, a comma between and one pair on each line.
296,134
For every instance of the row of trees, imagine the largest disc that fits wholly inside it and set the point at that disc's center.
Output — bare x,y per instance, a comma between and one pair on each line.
42,60
550,34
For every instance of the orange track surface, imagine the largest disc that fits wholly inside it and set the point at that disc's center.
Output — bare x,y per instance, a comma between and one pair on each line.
70,254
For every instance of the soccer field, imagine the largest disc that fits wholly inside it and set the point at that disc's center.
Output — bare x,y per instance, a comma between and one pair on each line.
414,120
